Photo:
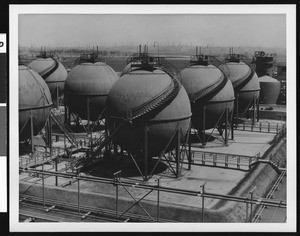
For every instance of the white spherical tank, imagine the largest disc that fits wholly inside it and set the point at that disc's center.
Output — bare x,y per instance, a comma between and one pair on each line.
89,83
245,84
207,86
53,72
159,102
34,101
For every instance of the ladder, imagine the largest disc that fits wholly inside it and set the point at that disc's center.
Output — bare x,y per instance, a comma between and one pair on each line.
97,147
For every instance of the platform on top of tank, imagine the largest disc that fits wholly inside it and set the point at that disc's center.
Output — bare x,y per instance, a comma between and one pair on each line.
218,180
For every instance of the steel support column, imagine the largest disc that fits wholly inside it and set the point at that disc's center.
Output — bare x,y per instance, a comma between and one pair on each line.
257,108
146,159
56,177
57,97
237,110
88,117
190,148
254,108
226,126
203,124
178,153
43,183
31,131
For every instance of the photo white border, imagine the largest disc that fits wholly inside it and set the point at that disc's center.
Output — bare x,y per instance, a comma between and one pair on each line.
289,10
3,184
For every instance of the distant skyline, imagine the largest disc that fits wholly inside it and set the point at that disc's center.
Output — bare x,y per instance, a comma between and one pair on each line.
266,30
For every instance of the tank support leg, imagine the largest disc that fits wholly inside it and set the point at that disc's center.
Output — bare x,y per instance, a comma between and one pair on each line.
254,106
115,149
88,116
203,129
177,152
226,126
57,97
106,136
237,110
232,126
257,109
31,131
190,149
50,134
146,153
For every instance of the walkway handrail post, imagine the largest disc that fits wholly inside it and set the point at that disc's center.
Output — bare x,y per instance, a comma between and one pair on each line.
158,185
251,204
203,190
78,193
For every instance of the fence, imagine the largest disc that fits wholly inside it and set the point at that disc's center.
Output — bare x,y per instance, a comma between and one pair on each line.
230,161
263,127
117,182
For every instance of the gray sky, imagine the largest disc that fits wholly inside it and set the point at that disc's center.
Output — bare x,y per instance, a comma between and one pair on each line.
268,30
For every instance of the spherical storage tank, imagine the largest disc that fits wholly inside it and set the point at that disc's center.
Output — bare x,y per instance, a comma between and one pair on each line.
52,71
89,83
269,89
157,101
207,85
34,99
245,84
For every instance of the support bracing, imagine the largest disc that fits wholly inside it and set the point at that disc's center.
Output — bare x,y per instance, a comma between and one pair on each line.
224,125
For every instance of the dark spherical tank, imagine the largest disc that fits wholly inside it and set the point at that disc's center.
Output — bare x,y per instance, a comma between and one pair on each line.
245,84
53,72
35,99
269,89
203,80
89,83
139,89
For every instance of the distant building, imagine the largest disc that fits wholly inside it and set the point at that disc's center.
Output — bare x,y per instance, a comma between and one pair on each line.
281,76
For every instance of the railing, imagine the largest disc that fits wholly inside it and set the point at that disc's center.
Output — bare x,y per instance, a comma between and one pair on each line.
263,127
230,161
40,157
150,187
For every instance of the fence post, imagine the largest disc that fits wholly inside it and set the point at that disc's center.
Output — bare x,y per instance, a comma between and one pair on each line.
203,186
43,181
116,179
259,126
251,204
78,196
56,177
247,206
215,159
158,186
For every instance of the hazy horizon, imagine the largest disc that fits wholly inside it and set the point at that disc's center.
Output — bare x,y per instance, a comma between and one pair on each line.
251,30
